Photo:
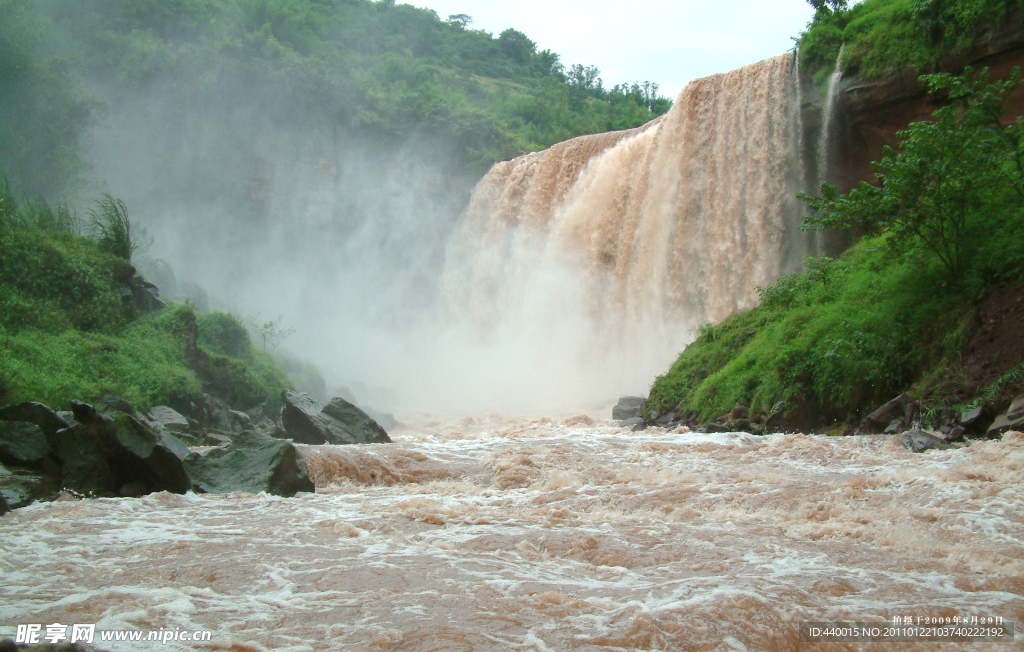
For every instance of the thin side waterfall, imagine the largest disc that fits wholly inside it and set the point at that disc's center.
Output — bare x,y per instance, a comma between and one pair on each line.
828,120
638,237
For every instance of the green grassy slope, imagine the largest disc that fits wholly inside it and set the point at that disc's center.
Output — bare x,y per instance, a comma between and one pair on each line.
66,333
883,33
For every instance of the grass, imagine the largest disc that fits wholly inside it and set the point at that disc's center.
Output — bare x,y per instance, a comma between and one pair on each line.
66,334
835,343
880,34
142,363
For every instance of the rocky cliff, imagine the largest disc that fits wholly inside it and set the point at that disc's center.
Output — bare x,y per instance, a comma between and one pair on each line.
868,113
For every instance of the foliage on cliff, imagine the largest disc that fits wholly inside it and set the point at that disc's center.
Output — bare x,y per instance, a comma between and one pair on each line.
382,70
66,333
945,225
879,34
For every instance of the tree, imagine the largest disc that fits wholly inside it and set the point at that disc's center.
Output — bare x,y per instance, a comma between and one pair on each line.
271,332
948,174
828,5
462,21
43,113
516,46
584,78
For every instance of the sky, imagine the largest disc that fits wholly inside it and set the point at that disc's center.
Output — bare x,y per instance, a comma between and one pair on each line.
669,42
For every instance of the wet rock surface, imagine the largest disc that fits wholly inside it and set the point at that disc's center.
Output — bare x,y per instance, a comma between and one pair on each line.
251,463
307,421
629,407
49,421
168,418
20,486
22,442
920,441
108,449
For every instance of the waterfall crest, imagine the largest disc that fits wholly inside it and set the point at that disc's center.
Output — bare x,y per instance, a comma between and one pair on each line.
642,235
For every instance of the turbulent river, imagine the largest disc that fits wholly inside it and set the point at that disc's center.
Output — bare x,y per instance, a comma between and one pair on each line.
497,533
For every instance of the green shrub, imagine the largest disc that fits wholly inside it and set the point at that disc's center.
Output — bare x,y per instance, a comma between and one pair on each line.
112,228
223,333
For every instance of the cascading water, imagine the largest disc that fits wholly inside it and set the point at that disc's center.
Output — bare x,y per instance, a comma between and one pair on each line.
640,235
828,120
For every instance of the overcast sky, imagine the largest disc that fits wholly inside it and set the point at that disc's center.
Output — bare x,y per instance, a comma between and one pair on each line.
668,42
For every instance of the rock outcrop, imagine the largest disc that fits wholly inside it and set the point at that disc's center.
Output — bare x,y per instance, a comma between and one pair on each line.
251,463
870,112
629,407
920,441
109,450
307,421
28,471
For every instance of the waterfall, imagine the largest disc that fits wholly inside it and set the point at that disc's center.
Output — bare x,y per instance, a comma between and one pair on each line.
638,237
828,120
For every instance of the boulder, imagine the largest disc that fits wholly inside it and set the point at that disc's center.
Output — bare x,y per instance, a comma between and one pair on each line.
629,407
1004,423
955,434
48,420
20,486
109,449
878,420
22,442
356,421
895,426
629,423
665,419
240,421
251,463
3,505
165,417
307,421
740,412
919,441
1016,409
974,419
742,425
84,467
386,420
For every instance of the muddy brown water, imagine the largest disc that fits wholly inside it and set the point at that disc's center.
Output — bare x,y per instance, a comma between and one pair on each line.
499,533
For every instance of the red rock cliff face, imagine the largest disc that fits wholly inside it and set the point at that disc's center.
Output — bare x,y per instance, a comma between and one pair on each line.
869,112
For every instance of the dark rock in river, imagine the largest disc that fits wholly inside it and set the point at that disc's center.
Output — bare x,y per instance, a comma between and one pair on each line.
1016,409
629,407
20,486
22,442
919,441
1005,423
881,418
48,420
109,449
339,422
251,463
970,417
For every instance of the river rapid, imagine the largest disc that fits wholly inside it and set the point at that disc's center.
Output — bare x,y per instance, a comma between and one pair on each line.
498,533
